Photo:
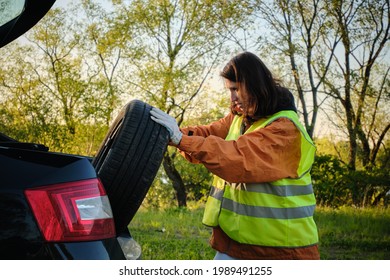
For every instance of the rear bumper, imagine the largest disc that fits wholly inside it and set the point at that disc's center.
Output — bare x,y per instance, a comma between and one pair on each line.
107,249
120,248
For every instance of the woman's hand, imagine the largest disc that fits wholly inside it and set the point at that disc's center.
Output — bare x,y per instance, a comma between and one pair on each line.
169,123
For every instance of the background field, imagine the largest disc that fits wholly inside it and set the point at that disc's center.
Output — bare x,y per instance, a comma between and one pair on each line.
345,233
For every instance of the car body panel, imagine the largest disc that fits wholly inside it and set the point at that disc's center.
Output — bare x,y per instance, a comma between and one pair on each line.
23,169
93,250
20,237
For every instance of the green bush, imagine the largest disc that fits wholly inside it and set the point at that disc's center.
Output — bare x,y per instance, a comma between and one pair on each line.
335,185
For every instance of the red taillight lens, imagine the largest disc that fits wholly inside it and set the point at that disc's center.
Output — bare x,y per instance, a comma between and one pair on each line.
74,211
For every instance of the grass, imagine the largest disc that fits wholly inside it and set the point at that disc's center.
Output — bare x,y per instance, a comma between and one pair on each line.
346,233
172,234
354,234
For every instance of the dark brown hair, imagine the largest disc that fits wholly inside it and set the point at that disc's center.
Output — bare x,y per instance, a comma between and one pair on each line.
264,95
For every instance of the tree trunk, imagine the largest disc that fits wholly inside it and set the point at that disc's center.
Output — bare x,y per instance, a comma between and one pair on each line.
177,181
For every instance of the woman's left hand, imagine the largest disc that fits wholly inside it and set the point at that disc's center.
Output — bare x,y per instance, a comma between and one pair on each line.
169,123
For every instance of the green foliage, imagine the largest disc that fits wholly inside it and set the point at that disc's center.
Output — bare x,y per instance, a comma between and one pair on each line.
161,194
368,187
346,233
336,185
326,174
85,141
197,185
51,93
197,178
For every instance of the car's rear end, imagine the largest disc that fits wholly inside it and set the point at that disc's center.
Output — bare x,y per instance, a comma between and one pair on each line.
54,207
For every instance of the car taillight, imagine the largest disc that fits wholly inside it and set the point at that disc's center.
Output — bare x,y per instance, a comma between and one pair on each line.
74,211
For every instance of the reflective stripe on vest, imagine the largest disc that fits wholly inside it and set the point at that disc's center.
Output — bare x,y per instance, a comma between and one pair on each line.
302,195
278,213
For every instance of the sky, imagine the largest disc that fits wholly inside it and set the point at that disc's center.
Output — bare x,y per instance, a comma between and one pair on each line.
65,3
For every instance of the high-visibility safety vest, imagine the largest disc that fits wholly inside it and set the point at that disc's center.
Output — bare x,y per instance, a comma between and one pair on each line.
278,213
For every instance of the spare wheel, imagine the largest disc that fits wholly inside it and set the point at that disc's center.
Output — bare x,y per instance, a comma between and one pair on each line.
129,158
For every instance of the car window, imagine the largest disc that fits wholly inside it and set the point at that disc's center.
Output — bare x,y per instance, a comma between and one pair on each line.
10,9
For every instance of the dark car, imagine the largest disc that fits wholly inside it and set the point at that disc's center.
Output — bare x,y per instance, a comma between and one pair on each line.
62,206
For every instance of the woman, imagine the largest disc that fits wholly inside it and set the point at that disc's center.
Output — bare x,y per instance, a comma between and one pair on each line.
261,202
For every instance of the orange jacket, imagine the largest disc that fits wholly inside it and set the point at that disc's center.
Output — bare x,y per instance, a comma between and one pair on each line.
263,155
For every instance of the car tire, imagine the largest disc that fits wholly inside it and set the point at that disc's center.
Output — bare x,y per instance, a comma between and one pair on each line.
129,158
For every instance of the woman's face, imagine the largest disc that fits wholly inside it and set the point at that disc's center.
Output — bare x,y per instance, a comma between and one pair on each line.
235,96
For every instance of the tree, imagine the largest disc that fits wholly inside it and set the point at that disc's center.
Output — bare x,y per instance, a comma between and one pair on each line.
180,43
25,108
66,91
337,47
295,32
104,46
47,89
58,70
364,32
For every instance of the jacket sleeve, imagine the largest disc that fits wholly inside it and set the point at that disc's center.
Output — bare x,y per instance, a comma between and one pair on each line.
264,155
218,129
